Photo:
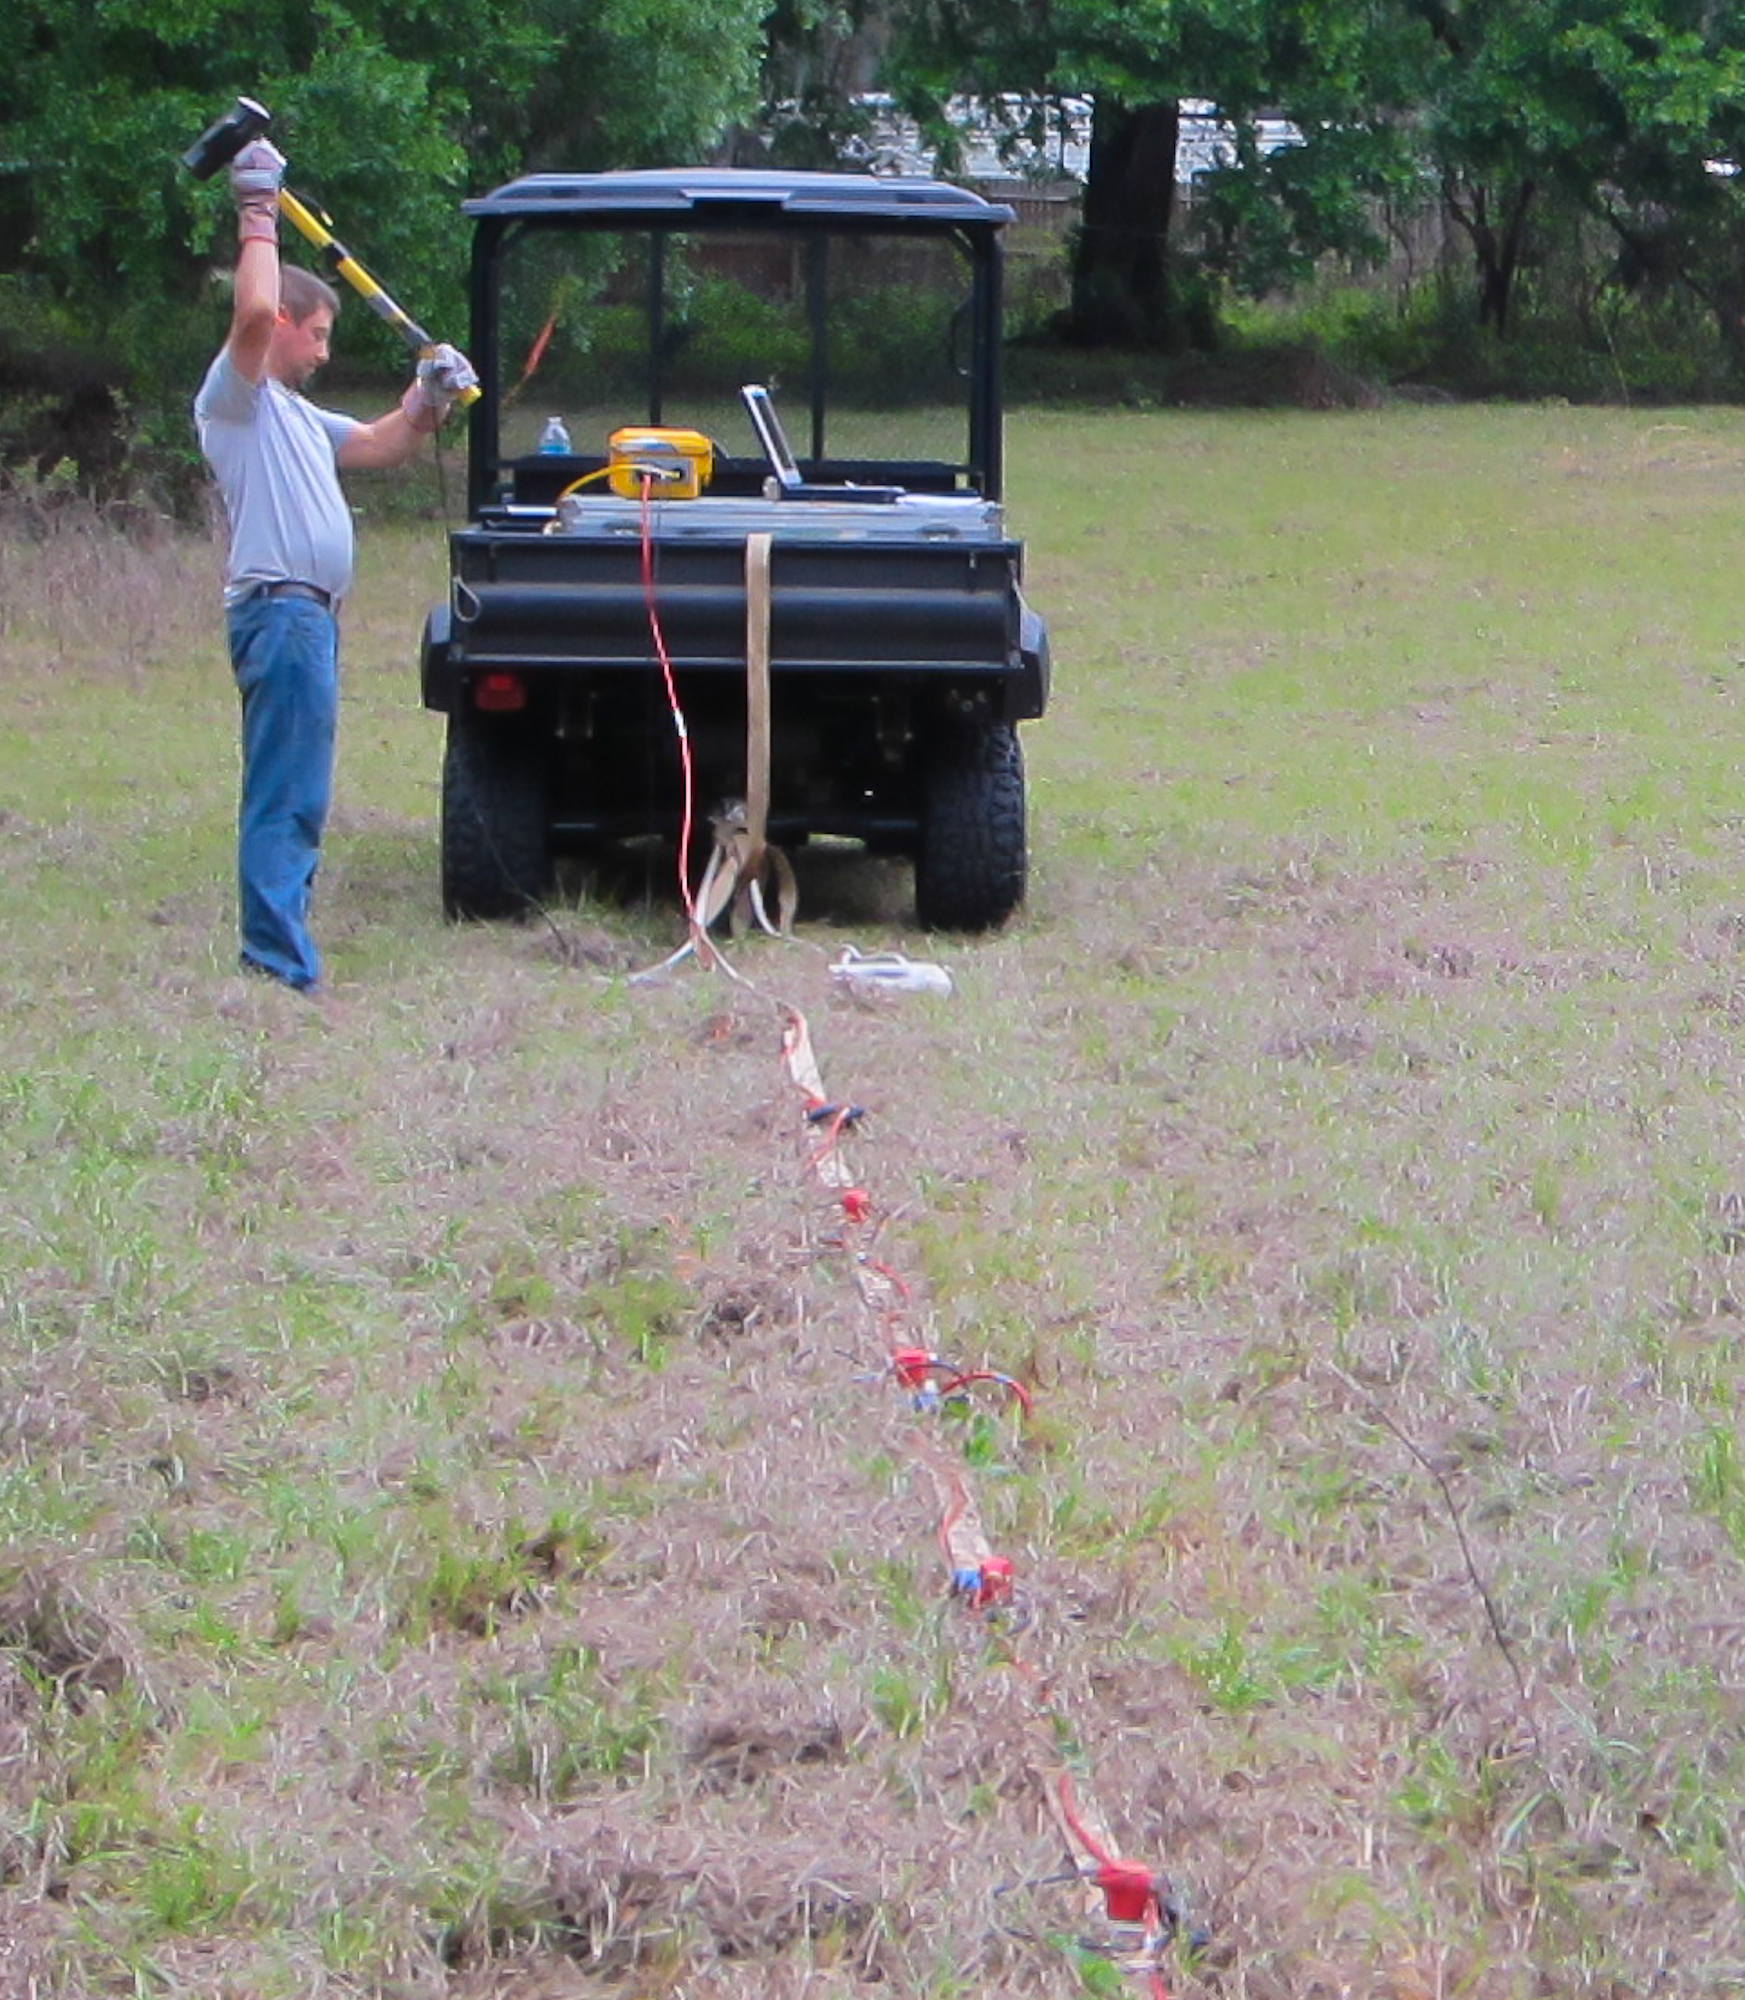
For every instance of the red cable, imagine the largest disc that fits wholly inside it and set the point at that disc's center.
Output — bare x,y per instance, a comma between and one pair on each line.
892,1323
988,1375
1080,1832
672,695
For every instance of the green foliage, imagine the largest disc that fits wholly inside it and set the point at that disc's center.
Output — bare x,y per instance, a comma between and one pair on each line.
1519,123
388,118
1267,217
1569,337
1528,115
1266,220
1718,1482
638,1306
811,72
475,1581
1553,138
904,1699
735,336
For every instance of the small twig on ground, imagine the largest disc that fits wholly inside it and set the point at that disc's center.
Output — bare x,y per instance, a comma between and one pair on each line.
1504,1645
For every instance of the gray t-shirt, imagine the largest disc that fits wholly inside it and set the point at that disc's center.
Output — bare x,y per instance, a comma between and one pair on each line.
273,453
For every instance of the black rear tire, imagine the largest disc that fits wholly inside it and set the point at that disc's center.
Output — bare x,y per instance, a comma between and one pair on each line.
972,860
496,820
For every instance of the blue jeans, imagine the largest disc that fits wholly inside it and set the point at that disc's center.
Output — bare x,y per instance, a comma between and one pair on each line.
286,656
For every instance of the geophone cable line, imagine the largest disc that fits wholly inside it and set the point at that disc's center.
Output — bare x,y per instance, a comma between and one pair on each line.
1137,1903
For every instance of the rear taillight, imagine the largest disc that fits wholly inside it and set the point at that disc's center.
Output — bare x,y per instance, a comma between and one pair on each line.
500,694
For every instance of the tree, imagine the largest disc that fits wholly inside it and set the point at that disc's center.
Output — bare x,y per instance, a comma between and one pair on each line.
1137,60
820,58
1491,129
1126,290
389,118
1670,84
1609,107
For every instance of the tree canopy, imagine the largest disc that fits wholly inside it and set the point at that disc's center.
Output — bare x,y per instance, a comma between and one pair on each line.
389,110
1625,110
1523,122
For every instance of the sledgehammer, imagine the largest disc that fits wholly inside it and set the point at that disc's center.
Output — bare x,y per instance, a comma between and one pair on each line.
219,144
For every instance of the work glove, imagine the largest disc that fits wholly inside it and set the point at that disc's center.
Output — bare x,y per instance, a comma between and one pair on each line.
443,374
256,175
446,373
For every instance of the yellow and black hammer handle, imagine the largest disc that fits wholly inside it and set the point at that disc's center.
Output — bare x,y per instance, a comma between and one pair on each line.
344,265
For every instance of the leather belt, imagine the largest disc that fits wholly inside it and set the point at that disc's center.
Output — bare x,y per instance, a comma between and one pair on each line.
314,593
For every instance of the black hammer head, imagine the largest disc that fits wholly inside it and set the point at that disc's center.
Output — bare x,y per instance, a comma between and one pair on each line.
219,144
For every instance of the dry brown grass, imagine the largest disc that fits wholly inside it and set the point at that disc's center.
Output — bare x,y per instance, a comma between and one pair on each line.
86,585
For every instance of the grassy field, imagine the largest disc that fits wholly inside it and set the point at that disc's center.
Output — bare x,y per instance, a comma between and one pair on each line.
461,1537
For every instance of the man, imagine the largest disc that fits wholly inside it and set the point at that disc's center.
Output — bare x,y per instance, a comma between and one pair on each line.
277,458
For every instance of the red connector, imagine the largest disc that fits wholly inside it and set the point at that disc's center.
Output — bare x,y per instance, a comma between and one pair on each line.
996,1584
911,1366
1129,1894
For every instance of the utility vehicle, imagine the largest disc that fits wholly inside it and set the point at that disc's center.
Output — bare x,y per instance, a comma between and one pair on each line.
678,326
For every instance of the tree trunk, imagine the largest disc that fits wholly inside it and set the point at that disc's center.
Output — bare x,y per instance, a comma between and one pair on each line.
1123,289
1496,248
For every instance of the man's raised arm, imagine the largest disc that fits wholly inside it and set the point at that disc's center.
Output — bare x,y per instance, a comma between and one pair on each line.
256,175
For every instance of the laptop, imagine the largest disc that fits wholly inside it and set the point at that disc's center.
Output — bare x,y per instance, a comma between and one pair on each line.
784,465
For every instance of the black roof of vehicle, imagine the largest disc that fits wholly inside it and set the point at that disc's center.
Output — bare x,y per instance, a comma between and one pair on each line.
690,191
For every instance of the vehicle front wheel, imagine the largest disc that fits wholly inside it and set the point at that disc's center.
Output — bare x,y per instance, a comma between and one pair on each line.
972,861
496,823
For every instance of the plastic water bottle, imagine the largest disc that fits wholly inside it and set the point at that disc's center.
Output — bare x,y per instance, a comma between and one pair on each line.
555,437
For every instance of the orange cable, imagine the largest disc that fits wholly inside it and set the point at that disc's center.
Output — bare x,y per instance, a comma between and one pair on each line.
794,1037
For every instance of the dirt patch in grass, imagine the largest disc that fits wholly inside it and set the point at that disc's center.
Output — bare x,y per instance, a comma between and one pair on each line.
58,1635
615,1895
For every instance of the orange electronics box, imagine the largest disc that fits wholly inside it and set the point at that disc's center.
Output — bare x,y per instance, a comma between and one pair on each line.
675,465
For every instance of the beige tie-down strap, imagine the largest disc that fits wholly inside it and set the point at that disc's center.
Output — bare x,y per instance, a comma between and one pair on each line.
757,730
743,856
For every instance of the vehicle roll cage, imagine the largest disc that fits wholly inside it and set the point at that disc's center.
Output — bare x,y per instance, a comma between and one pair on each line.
812,208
